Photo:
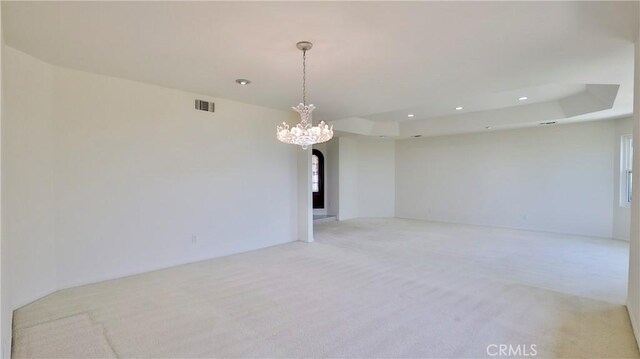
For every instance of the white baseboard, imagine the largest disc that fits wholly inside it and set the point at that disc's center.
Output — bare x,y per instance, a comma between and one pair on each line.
634,325
7,339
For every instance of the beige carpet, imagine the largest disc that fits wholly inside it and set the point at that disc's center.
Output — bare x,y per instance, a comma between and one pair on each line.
71,337
365,288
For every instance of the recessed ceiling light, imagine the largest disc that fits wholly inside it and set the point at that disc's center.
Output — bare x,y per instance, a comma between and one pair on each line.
243,82
522,98
488,127
458,108
410,115
383,136
417,136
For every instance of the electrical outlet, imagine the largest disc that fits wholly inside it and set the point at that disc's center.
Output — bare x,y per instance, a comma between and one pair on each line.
194,238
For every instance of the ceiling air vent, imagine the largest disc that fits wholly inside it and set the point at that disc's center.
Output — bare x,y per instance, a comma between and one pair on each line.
205,106
548,123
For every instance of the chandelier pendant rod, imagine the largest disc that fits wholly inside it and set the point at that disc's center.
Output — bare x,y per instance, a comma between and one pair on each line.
304,77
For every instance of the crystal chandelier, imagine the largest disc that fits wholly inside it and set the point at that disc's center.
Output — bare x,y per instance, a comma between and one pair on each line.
304,133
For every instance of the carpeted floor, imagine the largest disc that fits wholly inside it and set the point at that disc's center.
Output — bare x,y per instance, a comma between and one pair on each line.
365,288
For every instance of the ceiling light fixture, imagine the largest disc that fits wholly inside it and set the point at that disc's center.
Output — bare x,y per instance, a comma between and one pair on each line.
523,98
304,134
410,115
243,82
458,108
488,127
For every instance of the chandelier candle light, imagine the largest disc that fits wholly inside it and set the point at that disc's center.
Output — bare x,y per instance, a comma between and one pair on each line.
304,133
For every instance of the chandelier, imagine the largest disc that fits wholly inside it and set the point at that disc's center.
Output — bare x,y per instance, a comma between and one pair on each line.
304,134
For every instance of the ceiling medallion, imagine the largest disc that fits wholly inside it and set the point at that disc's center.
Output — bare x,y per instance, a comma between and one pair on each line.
304,134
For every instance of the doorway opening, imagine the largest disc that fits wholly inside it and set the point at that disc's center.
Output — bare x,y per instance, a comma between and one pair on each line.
317,178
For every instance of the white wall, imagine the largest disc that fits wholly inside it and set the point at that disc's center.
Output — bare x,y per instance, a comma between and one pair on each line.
304,217
139,172
6,314
633,299
556,178
376,178
110,177
621,214
332,188
367,178
348,178
28,204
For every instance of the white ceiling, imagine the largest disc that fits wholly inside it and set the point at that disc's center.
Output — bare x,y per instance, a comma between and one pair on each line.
374,61
483,102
